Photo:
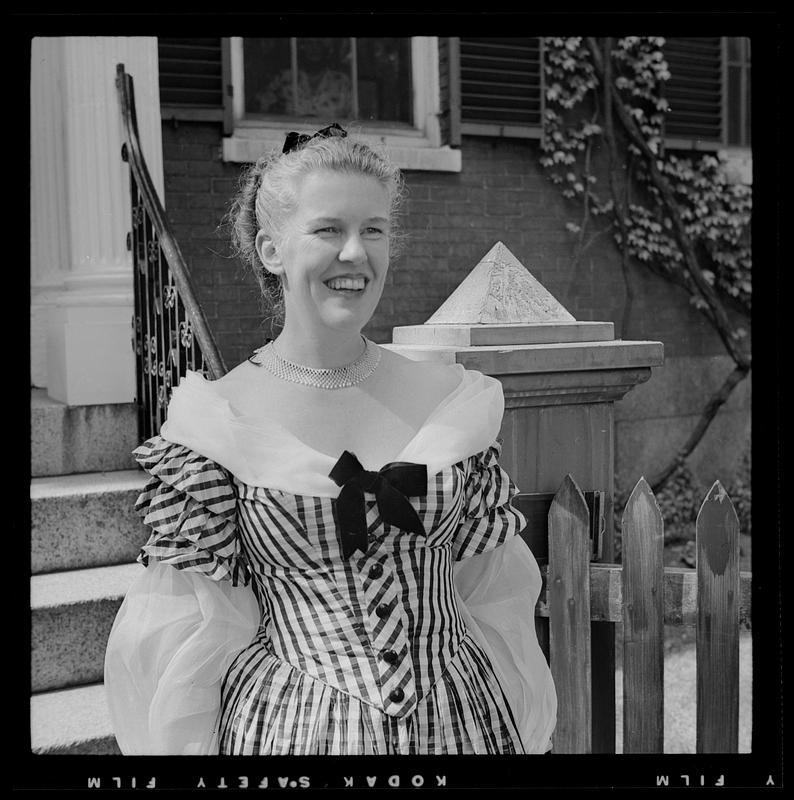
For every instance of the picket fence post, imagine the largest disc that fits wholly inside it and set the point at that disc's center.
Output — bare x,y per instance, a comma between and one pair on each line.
717,629
645,595
569,618
643,622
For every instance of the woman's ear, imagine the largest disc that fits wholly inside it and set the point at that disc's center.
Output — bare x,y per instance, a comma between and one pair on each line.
268,253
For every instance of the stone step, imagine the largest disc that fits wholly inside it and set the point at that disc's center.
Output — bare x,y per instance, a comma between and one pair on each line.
85,520
68,439
72,722
71,617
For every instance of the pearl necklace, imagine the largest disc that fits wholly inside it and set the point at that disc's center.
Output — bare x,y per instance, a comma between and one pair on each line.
333,378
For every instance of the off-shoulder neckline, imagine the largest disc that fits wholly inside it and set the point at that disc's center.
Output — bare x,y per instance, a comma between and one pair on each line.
195,380
464,423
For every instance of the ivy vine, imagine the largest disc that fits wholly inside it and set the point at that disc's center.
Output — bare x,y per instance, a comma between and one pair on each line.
676,214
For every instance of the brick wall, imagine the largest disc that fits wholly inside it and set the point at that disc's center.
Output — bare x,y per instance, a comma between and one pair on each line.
451,221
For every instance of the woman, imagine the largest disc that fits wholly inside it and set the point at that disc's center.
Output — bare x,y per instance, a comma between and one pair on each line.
334,566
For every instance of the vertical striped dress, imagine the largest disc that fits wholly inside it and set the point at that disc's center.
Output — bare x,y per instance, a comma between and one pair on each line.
256,628
360,655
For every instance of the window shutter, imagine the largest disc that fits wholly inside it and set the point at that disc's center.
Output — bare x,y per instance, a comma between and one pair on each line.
694,90
501,86
449,86
191,78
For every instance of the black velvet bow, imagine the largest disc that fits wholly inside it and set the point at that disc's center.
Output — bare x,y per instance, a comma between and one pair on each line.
391,485
294,139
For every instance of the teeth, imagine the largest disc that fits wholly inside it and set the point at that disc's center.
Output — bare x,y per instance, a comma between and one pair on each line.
355,284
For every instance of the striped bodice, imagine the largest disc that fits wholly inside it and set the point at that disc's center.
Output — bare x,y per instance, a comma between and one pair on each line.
380,626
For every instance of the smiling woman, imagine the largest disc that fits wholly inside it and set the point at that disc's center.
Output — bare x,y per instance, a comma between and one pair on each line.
333,566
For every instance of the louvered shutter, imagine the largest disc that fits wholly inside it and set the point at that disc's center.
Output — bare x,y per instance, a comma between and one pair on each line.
501,86
191,78
449,89
694,90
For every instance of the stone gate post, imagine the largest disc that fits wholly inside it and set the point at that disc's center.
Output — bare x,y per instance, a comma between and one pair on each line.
561,379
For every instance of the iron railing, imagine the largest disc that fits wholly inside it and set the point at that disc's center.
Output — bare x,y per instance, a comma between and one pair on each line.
170,332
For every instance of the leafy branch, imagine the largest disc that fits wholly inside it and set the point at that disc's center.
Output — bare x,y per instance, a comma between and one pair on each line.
690,224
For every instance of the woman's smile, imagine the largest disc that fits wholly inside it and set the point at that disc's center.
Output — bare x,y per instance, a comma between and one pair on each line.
347,285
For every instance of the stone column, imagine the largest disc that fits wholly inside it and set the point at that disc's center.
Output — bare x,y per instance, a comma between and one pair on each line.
561,379
81,272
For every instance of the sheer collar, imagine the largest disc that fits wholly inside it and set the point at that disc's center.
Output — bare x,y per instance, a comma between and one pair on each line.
465,422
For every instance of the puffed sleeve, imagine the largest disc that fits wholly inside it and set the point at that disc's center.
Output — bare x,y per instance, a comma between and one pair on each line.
186,616
191,506
488,518
498,591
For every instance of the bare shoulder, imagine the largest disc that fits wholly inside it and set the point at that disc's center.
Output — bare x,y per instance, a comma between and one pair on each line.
430,379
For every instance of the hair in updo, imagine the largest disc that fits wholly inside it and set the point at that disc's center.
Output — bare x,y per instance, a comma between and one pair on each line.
267,196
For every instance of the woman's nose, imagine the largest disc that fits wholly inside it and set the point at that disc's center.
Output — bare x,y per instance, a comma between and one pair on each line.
353,250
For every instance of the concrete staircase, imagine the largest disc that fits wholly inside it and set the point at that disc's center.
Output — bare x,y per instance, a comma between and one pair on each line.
85,537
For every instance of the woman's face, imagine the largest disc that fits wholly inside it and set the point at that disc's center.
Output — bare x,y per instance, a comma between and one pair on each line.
334,252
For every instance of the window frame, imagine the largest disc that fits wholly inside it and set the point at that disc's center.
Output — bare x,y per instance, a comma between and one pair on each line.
414,148
744,63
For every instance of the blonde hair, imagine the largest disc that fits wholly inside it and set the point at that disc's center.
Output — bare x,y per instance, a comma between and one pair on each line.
267,196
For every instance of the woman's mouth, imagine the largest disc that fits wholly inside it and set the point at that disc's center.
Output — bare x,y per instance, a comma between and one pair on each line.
351,285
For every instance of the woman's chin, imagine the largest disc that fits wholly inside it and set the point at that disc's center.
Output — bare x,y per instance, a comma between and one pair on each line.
346,320
347,316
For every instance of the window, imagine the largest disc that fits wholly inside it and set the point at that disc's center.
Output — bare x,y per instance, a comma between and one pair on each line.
502,89
387,88
324,79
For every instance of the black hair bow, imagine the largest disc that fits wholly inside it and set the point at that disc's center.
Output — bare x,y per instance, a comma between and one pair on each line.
295,140
391,485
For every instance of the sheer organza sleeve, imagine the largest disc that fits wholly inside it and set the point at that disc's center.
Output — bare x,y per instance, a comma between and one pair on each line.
173,639
498,590
186,616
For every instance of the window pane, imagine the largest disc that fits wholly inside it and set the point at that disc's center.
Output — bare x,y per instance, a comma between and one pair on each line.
268,77
384,80
324,83
735,121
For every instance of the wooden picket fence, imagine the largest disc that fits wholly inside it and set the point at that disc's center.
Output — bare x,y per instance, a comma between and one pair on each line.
645,595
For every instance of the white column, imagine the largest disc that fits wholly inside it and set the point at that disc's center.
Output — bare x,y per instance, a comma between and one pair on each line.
81,271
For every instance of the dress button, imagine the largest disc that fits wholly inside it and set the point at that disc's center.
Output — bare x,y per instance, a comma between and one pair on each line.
383,610
376,570
396,695
389,656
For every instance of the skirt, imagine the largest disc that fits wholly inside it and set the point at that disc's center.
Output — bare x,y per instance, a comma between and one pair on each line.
269,707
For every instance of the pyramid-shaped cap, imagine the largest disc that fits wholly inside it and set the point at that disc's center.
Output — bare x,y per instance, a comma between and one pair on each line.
500,290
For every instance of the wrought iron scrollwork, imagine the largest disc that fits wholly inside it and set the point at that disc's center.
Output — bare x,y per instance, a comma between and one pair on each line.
169,330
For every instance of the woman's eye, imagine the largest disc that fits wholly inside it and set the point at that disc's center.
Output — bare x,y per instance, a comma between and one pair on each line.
374,231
